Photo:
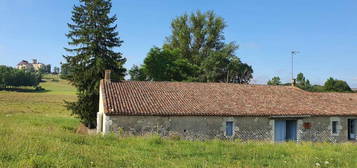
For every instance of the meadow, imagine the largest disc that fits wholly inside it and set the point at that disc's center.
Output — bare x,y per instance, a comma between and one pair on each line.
36,130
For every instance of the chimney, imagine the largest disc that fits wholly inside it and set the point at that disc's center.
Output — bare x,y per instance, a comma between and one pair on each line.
34,61
293,82
107,75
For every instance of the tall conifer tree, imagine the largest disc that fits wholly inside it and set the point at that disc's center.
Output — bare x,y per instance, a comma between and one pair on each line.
93,37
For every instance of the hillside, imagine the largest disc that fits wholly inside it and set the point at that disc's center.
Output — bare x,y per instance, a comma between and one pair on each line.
37,131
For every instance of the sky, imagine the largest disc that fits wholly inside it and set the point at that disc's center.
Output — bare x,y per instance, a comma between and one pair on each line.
323,31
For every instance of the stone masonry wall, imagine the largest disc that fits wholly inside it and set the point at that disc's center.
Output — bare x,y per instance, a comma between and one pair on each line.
245,128
321,129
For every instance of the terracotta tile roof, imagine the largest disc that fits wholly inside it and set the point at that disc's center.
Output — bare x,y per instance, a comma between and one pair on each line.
220,99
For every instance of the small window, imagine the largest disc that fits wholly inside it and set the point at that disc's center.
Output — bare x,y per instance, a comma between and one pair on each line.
334,127
229,128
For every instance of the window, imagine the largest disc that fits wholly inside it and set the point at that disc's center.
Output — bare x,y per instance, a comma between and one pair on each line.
334,127
229,128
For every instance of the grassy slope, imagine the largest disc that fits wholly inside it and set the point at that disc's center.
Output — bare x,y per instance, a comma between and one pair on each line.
37,131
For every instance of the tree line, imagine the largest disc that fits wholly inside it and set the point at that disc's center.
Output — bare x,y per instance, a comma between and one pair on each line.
11,77
330,85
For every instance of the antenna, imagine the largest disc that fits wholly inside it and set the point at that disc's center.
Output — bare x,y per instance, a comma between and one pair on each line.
292,65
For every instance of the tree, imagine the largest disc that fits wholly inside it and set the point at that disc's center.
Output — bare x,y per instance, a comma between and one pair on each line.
48,68
317,88
335,85
45,69
65,71
274,81
56,70
167,65
93,37
42,69
137,74
239,72
303,83
196,51
11,77
196,35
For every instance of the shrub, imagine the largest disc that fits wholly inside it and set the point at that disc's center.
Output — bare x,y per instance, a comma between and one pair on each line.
11,77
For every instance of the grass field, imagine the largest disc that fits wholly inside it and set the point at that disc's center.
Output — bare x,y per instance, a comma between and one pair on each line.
37,131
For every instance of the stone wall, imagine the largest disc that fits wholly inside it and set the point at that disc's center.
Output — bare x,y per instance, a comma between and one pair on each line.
191,127
245,128
321,129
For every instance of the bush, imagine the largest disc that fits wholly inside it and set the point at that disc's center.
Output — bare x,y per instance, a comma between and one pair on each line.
337,85
11,77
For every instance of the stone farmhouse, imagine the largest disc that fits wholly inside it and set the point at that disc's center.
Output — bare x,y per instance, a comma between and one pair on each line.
26,65
225,111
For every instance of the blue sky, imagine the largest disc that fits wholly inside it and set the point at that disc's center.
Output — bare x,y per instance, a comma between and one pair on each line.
324,31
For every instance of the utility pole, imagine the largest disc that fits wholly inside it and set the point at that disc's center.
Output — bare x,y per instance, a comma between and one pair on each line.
292,66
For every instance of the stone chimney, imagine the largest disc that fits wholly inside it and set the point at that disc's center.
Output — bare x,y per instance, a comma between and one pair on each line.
293,82
107,76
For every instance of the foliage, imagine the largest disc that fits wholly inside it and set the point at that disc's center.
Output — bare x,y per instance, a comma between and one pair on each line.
93,37
167,65
302,83
48,68
164,65
337,85
11,77
56,70
65,71
197,35
317,88
331,84
196,51
45,69
274,81
159,64
239,72
137,74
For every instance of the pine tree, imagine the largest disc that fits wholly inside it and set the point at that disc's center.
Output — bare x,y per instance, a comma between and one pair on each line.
93,38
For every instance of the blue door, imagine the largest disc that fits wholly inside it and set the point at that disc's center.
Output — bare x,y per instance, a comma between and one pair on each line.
352,129
291,130
285,130
280,130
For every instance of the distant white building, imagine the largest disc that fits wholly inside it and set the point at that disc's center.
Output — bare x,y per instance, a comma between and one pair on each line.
23,65
26,65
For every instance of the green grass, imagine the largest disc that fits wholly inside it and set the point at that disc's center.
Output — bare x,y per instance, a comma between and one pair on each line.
37,131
